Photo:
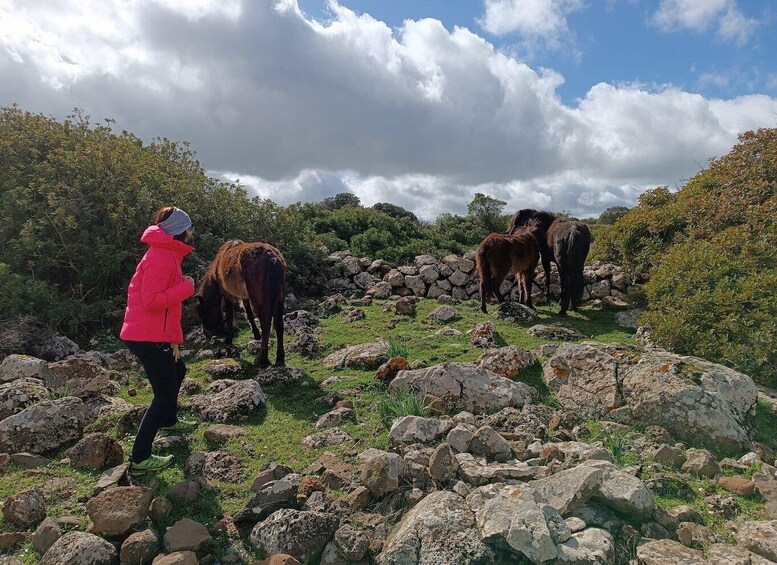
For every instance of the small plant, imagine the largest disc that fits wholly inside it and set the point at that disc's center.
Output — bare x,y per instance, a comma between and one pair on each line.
397,349
60,392
402,403
618,444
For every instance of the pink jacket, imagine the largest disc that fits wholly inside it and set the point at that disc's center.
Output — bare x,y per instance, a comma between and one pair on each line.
157,290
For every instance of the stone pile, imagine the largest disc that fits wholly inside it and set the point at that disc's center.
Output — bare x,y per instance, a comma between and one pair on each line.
456,276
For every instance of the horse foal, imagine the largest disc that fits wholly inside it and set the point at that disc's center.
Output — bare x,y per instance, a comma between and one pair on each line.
256,274
499,255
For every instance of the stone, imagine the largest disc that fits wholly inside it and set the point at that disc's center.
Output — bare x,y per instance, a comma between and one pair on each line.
767,488
444,314
110,477
226,368
669,455
459,437
280,559
223,432
695,535
439,529
25,508
19,394
483,335
359,498
488,443
429,273
667,552
381,473
96,451
725,506
327,438
237,401
459,278
443,465
10,540
507,361
672,517
417,429
215,465
178,558
29,460
405,306
335,418
273,472
381,289
592,546
479,473
464,386
17,366
416,284
724,554
696,401
186,535
139,548
79,548
160,509
738,485
570,489
623,492
187,491
365,355
559,331
628,318
297,533
47,532
352,543
354,315
700,463
759,537
272,496
44,427
514,312
274,374
391,368
116,511
80,377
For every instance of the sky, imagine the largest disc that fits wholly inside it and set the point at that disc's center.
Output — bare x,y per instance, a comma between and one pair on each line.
565,105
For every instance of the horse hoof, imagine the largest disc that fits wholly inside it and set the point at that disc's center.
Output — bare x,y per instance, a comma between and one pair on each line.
280,363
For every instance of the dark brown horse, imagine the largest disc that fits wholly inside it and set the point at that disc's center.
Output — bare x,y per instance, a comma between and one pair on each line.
500,254
566,243
254,273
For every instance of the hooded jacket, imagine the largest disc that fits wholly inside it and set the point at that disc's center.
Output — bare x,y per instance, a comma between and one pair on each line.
157,290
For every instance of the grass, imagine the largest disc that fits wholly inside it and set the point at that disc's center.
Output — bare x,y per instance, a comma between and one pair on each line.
291,410
397,349
401,403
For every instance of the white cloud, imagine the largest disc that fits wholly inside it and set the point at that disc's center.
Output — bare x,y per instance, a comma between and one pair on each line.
700,15
419,116
542,22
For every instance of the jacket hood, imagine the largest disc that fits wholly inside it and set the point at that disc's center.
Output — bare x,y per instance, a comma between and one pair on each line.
155,236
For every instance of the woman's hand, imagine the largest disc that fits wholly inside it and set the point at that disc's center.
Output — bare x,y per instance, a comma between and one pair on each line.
190,279
176,352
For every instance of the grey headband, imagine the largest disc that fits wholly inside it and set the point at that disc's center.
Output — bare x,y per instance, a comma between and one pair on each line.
176,223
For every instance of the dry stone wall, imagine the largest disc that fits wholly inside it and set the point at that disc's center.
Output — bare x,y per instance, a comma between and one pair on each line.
456,276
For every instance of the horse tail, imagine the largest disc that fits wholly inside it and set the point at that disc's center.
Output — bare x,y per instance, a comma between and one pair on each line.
483,266
274,289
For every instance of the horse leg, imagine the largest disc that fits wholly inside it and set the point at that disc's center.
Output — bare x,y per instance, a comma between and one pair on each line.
546,268
525,289
564,278
497,282
483,293
251,320
229,320
280,355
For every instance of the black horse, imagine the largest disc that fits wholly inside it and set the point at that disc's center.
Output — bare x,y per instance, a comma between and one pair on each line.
564,242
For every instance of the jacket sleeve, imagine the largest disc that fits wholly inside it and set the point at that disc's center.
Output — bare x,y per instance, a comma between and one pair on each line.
155,293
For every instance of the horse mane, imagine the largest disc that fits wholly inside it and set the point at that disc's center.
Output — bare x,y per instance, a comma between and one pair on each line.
210,275
522,217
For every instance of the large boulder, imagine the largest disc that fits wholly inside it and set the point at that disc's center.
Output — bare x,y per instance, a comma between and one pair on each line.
96,451
301,534
760,538
44,427
623,492
17,395
80,376
507,361
186,535
697,401
79,548
364,355
116,511
464,386
18,366
439,530
236,401
381,473
591,546
568,490
139,548
417,429
509,517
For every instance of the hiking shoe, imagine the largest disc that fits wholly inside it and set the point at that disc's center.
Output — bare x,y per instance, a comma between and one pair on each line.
181,427
151,465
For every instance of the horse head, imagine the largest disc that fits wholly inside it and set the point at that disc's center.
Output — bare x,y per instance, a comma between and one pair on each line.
209,309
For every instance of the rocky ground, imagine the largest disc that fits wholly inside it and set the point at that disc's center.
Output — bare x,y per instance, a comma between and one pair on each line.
403,431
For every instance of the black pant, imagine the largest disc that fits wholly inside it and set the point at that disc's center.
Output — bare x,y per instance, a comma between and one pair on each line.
165,375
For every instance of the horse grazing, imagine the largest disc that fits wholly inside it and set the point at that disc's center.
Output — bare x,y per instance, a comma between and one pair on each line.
566,243
500,254
254,273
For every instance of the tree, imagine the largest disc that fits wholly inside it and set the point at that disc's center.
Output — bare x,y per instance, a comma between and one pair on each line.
612,214
487,211
395,211
341,200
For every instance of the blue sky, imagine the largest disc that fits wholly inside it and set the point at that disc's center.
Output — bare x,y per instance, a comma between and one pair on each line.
616,41
574,105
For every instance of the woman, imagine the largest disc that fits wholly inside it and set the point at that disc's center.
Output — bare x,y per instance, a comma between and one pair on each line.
152,329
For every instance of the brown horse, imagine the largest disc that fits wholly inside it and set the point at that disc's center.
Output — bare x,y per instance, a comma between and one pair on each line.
500,254
566,243
254,273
